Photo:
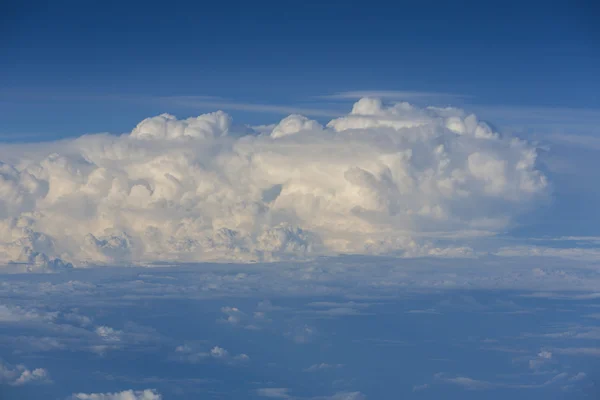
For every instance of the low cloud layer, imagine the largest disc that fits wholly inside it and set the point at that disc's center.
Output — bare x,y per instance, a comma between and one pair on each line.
382,179
147,394
272,331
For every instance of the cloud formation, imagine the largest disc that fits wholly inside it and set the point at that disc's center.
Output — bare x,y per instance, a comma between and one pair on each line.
382,179
189,354
21,375
148,394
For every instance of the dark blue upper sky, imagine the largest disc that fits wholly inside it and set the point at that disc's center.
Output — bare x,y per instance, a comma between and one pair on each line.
62,61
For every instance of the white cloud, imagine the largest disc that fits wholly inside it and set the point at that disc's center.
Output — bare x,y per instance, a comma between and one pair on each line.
337,309
21,375
418,388
109,334
293,124
219,352
191,354
322,366
148,394
466,382
382,179
474,384
234,315
578,377
237,317
542,359
27,376
167,127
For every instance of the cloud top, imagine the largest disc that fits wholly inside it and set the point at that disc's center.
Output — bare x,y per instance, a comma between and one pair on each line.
384,178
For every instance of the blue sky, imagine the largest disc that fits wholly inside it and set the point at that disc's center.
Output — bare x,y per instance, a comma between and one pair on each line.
299,200
74,59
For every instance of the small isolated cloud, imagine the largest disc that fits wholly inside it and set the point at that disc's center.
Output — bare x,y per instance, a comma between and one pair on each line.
418,388
302,334
465,382
542,359
323,366
189,353
337,309
236,317
109,334
219,352
468,383
578,377
21,375
148,394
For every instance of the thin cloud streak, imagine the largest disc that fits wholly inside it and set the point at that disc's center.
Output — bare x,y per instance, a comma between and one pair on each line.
200,101
255,107
391,95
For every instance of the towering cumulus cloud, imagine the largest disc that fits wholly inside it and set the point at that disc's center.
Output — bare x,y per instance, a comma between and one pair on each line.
381,179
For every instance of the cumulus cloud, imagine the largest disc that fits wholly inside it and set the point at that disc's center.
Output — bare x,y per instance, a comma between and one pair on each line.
148,394
543,358
189,353
322,366
293,124
21,375
238,318
382,179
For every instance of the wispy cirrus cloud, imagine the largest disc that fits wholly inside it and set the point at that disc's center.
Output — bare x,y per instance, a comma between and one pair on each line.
406,95
192,102
175,101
